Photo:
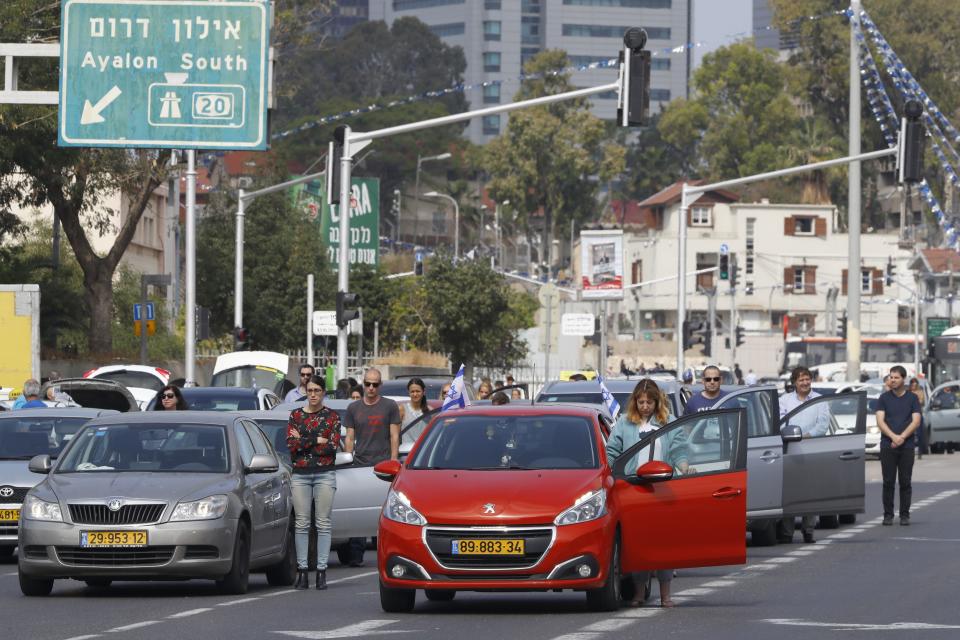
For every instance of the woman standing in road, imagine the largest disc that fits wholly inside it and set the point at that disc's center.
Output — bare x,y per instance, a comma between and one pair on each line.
170,399
417,405
313,437
646,411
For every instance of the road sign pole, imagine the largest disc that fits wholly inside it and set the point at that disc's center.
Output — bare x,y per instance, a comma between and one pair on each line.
190,328
143,320
343,279
309,318
238,265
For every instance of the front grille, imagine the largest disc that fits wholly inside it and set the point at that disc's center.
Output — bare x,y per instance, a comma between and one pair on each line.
19,493
536,543
8,530
201,552
127,514
146,556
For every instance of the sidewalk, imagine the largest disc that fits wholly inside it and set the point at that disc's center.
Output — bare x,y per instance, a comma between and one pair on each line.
932,468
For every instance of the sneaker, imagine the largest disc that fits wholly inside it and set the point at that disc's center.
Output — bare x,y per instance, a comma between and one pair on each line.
888,521
904,521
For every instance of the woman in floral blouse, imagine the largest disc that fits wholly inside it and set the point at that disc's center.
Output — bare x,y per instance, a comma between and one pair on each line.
313,436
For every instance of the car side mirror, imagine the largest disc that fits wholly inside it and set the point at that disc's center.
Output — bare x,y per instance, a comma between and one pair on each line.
344,458
655,471
791,433
387,470
262,463
40,464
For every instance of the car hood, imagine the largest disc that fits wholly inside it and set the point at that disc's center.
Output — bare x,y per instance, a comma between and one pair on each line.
518,497
99,486
14,473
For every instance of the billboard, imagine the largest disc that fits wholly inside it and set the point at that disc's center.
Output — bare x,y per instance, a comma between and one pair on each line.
364,219
601,265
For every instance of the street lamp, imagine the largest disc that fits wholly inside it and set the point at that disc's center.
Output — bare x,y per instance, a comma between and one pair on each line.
420,161
456,218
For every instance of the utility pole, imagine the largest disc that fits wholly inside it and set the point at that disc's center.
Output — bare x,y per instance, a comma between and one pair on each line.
853,204
602,360
712,318
310,318
733,322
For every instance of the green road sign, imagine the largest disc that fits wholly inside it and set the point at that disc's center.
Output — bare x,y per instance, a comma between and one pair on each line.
936,327
186,74
364,219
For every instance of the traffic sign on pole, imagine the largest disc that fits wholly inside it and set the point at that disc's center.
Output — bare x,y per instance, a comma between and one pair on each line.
724,249
183,74
324,323
136,312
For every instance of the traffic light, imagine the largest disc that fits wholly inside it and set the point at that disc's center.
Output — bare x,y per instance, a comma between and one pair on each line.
633,107
733,274
739,333
334,156
695,333
345,308
241,339
912,143
891,272
842,326
687,335
704,335
724,266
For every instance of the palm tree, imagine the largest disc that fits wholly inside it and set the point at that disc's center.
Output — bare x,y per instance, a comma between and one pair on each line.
813,142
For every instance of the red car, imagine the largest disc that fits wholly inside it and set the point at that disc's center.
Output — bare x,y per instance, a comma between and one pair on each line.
522,498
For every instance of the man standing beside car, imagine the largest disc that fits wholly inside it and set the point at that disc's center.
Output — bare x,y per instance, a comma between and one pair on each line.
898,416
711,393
373,435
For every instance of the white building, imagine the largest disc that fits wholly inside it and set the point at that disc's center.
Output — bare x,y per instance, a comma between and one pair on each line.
792,262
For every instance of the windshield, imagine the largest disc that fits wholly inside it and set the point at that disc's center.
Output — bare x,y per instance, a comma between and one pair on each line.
138,379
249,377
210,401
589,397
492,442
160,447
22,438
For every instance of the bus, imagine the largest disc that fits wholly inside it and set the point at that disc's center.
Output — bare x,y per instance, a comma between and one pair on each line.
945,357
828,355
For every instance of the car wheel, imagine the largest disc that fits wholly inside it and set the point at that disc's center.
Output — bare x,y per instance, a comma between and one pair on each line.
764,535
98,583
848,518
284,572
439,595
397,600
343,554
607,597
829,522
235,582
35,586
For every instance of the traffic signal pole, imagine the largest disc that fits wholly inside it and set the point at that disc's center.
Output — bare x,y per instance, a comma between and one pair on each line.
853,203
343,279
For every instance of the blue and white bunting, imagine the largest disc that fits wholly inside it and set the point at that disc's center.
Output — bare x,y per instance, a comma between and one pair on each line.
456,396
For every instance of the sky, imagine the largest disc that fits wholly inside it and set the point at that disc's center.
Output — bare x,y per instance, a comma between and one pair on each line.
720,22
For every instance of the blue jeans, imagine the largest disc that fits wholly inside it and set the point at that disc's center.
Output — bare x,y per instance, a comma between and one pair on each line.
317,489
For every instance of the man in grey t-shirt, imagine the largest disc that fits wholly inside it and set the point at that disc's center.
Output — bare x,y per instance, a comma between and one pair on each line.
373,435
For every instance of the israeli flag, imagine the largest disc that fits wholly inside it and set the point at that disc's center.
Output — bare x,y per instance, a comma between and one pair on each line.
456,396
608,400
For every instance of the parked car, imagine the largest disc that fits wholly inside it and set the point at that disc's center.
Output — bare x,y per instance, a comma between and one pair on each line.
522,498
143,382
225,399
396,389
253,369
943,414
360,495
163,495
811,476
23,434
588,391
93,393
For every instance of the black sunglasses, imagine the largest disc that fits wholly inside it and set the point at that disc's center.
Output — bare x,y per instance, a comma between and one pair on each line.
717,379
305,375
169,396
367,383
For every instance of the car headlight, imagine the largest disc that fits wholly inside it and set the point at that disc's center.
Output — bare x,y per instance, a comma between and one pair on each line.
209,508
589,506
873,429
397,508
37,509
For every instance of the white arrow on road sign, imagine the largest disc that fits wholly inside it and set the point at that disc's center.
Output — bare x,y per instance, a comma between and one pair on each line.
366,628
91,112
724,249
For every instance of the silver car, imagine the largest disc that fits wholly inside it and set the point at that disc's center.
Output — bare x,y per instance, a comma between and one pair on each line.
23,434
588,391
943,415
173,494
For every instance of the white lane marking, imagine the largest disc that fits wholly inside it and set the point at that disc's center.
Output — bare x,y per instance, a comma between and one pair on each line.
187,614
842,535
783,560
638,612
695,591
613,624
367,627
353,577
86,637
928,539
800,552
577,636
135,625
278,593
230,603
719,583
759,567
852,626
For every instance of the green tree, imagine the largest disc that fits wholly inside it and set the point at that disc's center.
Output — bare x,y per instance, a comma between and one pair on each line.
653,163
812,142
476,314
549,157
739,117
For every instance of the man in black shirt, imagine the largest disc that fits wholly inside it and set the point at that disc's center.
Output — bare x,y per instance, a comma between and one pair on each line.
898,416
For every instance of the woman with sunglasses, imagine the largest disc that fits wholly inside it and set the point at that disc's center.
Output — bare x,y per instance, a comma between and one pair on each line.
170,399
313,437
646,411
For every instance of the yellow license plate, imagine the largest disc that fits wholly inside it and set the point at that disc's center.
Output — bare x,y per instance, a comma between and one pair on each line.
9,515
113,538
487,547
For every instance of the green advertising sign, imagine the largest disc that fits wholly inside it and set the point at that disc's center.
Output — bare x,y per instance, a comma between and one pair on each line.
364,219
936,327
